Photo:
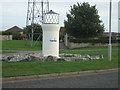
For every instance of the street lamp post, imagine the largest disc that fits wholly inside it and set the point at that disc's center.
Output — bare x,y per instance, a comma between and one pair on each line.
110,45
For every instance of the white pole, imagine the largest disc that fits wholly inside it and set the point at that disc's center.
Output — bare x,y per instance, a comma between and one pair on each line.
118,16
110,45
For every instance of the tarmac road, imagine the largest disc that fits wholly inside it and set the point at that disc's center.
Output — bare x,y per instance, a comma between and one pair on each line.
90,80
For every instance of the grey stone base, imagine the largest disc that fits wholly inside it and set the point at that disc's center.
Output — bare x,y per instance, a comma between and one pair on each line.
39,57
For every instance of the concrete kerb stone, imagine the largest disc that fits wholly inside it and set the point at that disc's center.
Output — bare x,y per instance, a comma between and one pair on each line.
48,75
20,78
68,73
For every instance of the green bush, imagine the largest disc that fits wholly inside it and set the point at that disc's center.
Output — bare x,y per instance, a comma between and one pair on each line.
6,33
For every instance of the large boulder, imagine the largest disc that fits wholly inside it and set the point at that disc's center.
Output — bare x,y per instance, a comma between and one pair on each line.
6,58
60,59
35,58
40,57
51,58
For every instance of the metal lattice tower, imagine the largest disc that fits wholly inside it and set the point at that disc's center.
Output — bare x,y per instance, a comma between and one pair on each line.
35,13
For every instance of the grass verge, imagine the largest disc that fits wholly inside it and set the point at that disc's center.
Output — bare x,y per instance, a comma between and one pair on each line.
20,45
12,69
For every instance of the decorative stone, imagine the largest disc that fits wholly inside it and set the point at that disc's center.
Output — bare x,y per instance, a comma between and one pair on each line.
51,58
86,56
60,59
101,56
39,57
6,58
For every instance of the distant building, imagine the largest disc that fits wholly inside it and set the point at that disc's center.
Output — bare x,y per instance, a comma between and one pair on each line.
16,29
115,35
17,35
61,29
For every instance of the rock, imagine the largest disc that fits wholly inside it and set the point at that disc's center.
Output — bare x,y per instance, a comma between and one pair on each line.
77,55
95,57
101,56
68,55
0,57
82,59
61,55
49,58
78,59
34,58
10,57
39,57
60,59
86,56
6,58
17,58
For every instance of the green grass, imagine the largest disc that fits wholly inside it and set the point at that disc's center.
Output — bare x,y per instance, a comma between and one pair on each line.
97,51
20,45
12,69
7,52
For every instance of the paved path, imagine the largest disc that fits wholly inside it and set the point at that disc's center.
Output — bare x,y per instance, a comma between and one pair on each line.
62,46
97,80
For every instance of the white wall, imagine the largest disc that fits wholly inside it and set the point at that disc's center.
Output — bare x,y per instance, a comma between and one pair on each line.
5,37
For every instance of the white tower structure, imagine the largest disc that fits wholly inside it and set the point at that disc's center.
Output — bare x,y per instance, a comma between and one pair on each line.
119,16
35,12
51,29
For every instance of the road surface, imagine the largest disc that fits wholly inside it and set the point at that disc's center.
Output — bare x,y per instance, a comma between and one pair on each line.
96,80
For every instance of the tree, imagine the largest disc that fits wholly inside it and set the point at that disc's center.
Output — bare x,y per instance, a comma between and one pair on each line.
7,33
83,21
37,31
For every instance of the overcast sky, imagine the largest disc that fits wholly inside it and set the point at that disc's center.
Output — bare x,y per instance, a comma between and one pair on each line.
13,12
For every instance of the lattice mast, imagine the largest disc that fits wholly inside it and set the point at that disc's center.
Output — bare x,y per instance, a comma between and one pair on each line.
35,13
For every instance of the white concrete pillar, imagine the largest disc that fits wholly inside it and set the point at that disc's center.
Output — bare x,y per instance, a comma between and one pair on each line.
51,29
51,39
